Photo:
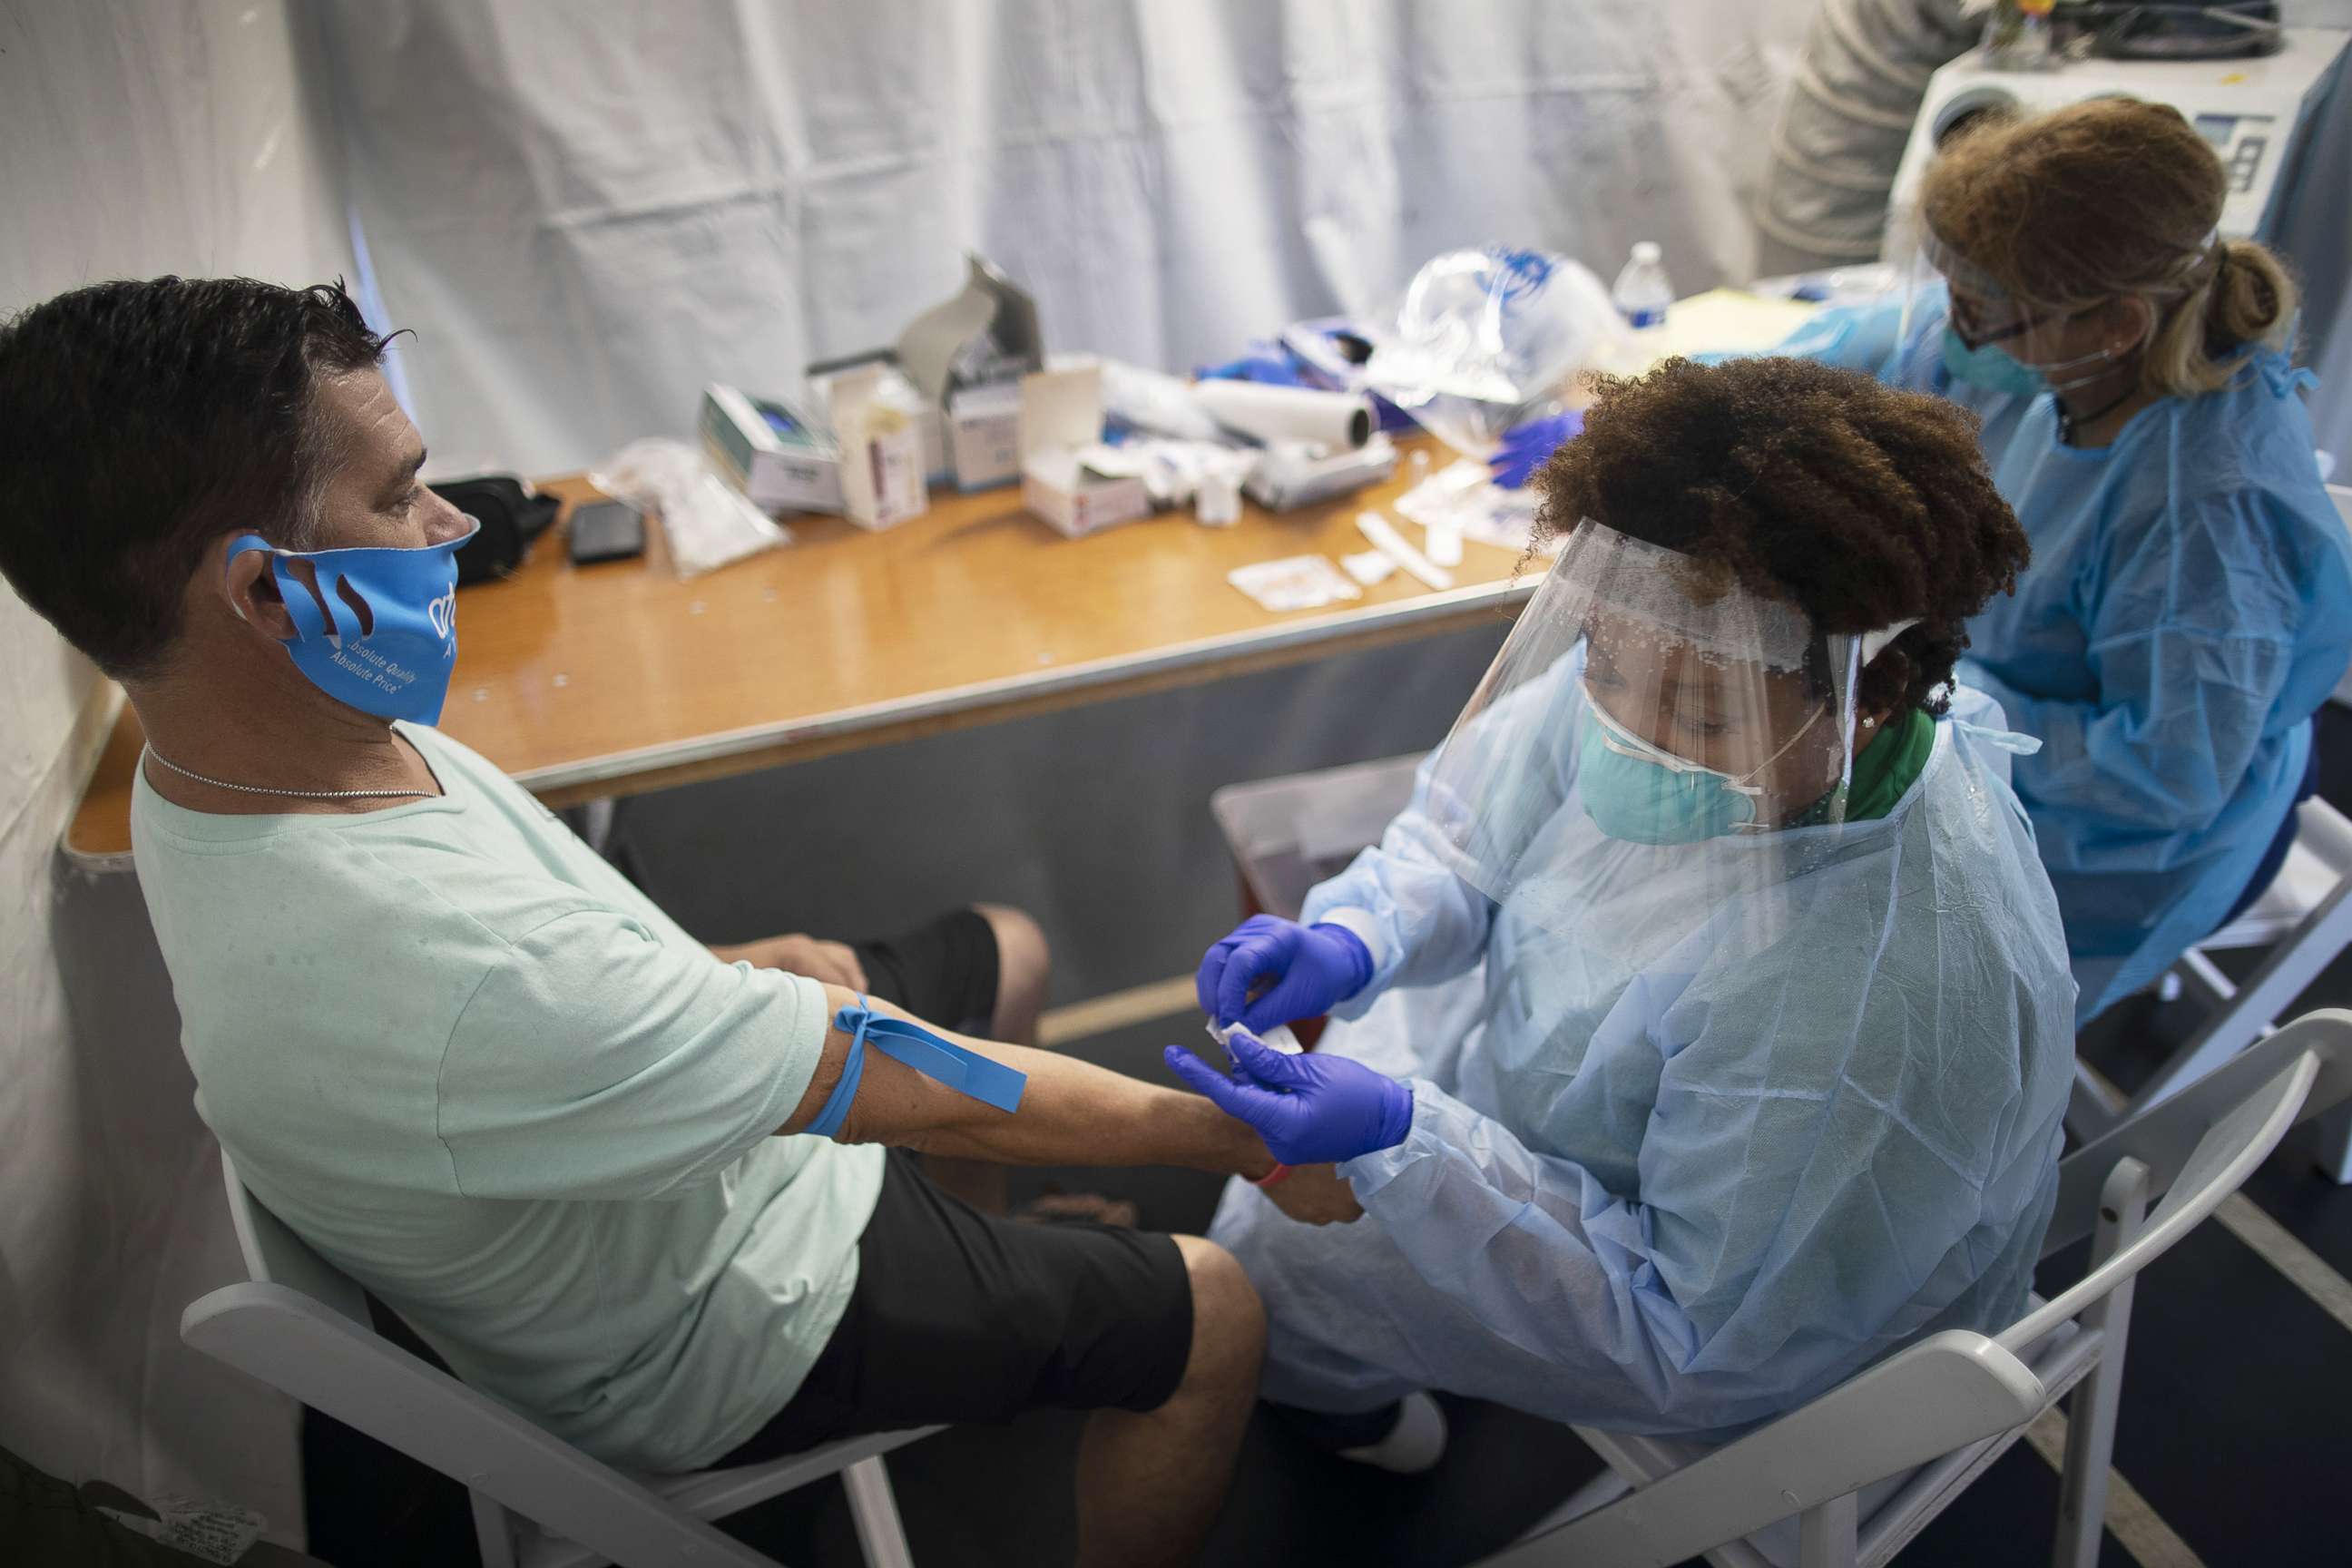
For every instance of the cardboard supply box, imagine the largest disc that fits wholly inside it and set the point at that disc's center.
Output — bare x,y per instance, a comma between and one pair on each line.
1061,417
881,433
964,358
984,434
967,355
772,452
824,377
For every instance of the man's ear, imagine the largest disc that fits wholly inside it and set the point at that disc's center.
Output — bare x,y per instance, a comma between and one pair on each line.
252,589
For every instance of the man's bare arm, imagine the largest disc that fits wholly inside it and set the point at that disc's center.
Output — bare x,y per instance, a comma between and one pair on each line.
1071,1113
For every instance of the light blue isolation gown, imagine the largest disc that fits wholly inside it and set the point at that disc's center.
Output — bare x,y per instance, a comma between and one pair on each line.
1698,1130
2188,609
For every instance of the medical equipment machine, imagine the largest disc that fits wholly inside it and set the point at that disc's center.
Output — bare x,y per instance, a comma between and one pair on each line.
2253,112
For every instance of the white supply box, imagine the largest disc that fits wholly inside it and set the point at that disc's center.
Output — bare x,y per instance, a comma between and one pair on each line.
772,452
1061,418
878,422
937,470
984,434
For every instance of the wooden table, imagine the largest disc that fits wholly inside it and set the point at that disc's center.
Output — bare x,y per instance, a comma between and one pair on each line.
606,680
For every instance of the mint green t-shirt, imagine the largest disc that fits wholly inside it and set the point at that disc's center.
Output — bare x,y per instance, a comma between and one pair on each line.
486,1078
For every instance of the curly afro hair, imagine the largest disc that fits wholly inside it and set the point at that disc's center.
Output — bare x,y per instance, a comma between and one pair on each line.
1860,505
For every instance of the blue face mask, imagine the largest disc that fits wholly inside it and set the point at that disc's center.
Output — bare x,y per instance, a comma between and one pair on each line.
1644,793
1991,366
380,632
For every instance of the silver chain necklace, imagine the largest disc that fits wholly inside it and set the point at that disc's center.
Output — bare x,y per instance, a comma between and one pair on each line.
296,794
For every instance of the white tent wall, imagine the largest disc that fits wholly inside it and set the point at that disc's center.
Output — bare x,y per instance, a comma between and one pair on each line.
135,139
588,211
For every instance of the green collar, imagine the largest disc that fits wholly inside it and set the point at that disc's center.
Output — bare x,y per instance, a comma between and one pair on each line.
1883,771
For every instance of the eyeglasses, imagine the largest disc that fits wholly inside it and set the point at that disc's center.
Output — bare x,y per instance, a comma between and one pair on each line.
1966,316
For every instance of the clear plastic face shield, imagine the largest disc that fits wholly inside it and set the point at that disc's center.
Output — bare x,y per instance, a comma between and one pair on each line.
1647,708
1989,338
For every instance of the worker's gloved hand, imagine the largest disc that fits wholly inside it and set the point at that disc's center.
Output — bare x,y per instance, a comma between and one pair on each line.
1525,446
1306,1108
1309,970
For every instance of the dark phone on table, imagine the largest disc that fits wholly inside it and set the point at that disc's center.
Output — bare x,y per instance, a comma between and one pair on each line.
606,530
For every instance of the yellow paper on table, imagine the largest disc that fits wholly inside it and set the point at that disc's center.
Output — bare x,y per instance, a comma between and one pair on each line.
1721,321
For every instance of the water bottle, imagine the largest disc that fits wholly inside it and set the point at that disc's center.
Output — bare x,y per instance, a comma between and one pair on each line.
1641,292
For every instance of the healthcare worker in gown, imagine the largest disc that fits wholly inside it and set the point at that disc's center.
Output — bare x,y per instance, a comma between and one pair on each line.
2189,603
1703,1027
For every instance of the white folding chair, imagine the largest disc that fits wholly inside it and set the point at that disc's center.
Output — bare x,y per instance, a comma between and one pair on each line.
301,1326
1865,1467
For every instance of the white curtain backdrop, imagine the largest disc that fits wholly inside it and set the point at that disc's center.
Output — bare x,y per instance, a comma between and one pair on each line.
588,210
137,137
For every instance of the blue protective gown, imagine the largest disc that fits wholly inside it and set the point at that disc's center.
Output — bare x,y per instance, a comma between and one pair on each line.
1675,1169
2188,609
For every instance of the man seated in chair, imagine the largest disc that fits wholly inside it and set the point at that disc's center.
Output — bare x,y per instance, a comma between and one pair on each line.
634,1188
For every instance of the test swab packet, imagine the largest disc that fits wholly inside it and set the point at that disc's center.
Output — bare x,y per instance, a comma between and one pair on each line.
1294,582
1278,1038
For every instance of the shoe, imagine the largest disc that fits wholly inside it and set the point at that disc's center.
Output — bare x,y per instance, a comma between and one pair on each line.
1414,1444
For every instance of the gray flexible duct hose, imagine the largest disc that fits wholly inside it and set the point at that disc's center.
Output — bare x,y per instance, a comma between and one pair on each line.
1859,80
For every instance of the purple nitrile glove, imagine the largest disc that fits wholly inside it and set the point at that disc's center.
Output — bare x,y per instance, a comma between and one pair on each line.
1312,969
1525,446
1306,1108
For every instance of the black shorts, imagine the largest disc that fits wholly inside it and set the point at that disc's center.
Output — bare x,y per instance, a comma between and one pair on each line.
959,1316
943,972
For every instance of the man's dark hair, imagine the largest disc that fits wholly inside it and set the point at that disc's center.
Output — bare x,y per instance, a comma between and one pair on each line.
141,421
1861,505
